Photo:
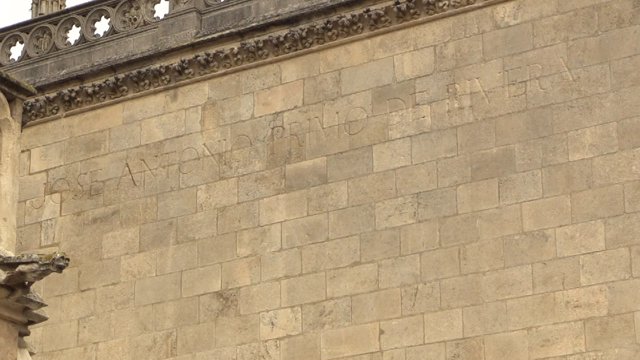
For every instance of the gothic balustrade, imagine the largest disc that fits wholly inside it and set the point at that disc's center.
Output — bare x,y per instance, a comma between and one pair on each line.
90,22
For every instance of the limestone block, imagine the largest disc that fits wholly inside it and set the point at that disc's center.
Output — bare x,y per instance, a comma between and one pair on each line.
269,350
328,197
610,332
605,266
434,145
281,264
509,41
581,238
622,230
479,135
201,280
196,226
379,245
279,98
396,212
621,296
508,283
175,314
40,209
556,340
306,174
626,128
414,64
351,221
260,184
238,217
118,296
597,203
86,146
217,249
496,162
322,87
125,137
329,314
227,111
459,53
529,248
433,351
350,341
280,323
485,319
419,237
392,154
350,164
358,78
389,44
471,349
454,171
303,346
632,196
163,127
512,345
259,241
443,325
521,187
376,306
217,194
158,289
400,271
138,266
283,207
482,256
546,213
144,108
187,96
177,258
375,187
441,263
568,177
420,298
593,141
62,335
120,242
331,254
401,333
303,289
299,68
461,291
417,178
261,297
304,231
177,203
353,280
195,338
99,273
436,203
241,272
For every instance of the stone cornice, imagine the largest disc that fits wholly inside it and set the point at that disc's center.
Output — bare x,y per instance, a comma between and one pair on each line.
247,53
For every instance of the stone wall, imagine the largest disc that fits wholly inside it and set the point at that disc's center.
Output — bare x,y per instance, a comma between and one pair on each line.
460,189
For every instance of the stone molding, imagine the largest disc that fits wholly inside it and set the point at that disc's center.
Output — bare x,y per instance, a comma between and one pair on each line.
249,52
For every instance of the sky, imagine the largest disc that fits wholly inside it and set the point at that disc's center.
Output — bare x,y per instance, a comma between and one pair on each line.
20,10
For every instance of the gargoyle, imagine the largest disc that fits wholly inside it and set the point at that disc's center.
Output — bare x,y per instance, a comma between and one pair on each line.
22,271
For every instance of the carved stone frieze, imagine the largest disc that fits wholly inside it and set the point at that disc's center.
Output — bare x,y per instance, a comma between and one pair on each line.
41,38
336,28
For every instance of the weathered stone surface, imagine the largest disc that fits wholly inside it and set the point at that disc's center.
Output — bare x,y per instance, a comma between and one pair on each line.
459,188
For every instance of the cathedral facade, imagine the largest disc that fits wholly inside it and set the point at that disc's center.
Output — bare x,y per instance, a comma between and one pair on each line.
320,180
